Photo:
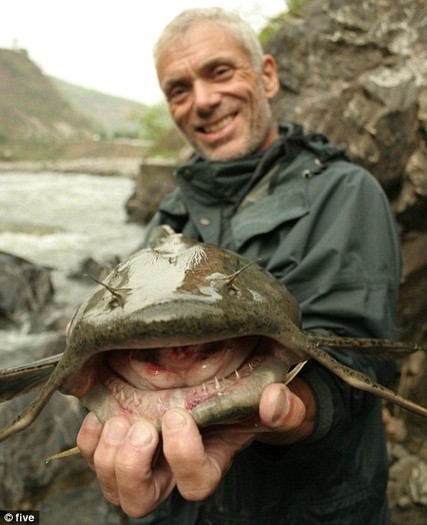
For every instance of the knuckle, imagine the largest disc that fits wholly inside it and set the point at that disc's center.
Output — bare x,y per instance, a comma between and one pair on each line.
100,460
202,485
111,495
136,510
126,468
198,493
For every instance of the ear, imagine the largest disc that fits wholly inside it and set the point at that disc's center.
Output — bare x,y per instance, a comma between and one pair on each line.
269,76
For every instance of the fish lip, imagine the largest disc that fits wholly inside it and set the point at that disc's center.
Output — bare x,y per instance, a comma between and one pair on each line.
137,403
171,367
185,397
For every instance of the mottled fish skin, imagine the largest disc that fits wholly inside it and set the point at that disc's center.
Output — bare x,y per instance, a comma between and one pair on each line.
181,292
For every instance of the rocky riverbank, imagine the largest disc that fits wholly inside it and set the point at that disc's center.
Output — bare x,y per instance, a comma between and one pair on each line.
356,72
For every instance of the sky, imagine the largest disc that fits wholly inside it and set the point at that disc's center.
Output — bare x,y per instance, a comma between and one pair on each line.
106,45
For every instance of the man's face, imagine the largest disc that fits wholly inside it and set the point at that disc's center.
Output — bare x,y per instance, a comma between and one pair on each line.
217,99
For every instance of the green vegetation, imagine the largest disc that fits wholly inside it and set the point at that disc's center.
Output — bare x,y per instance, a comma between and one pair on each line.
44,117
32,112
277,22
118,118
112,116
158,129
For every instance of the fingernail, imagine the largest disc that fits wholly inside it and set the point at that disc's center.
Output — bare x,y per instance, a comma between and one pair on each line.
140,434
174,420
115,431
281,405
91,422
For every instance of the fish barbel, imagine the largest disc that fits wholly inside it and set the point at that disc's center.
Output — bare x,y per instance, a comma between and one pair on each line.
186,324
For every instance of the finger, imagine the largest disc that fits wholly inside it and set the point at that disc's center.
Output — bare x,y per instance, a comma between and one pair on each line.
88,437
197,471
141,486
112,437
290,412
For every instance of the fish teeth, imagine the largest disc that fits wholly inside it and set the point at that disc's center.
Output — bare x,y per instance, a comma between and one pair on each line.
236,373
136,400
217,384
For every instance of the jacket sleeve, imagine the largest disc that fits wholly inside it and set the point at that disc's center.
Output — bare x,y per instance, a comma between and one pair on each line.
342,263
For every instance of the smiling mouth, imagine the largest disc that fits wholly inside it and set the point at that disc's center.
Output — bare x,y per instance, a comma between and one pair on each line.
217,126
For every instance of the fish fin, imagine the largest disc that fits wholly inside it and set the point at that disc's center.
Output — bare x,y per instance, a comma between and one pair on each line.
25,378
376,348
30,413
64,454
294,372
361,381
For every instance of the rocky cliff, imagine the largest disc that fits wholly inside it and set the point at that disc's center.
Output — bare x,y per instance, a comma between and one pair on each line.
357,72
31,107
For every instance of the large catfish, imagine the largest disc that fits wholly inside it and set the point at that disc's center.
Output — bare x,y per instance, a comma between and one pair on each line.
185,324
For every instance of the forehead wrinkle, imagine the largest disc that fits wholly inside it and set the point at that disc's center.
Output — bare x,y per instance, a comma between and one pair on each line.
193,44
203,69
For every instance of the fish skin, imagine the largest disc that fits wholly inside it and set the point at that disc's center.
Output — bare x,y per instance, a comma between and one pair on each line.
182,292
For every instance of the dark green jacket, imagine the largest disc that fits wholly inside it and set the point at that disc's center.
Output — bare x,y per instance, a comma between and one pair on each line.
323,227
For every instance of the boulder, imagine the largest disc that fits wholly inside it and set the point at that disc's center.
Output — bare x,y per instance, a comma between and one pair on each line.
153,182
25,288
27,481
357,72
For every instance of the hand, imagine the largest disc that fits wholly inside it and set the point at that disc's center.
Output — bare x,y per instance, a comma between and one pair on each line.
134,475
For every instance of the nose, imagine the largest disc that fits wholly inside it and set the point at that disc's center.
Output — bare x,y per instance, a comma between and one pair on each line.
206,97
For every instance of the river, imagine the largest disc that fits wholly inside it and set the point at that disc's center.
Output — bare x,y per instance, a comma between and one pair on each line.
58,220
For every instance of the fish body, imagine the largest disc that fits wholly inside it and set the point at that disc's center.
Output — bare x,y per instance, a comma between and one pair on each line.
188,324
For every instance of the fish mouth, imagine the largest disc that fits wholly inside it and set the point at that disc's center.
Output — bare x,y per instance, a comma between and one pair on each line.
222,378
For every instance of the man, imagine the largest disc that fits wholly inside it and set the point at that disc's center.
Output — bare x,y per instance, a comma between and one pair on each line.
323,227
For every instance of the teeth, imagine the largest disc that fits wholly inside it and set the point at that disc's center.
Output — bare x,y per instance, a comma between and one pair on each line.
236,373
217,385
219,125
135,399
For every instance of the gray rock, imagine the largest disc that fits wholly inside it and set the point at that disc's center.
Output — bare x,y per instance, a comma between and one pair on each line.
25,288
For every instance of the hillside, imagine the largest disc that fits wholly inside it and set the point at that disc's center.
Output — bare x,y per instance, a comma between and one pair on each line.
31,107
111,114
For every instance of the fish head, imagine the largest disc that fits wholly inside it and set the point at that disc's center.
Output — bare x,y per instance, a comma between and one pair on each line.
180,323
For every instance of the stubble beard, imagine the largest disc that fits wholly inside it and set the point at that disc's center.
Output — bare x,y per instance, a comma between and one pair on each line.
259,125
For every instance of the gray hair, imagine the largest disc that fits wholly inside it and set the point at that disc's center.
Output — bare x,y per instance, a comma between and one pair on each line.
229,20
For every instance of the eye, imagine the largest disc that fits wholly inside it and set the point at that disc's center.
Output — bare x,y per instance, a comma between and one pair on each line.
177,93
222,72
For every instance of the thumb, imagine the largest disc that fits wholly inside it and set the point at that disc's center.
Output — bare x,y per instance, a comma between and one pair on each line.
289,411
